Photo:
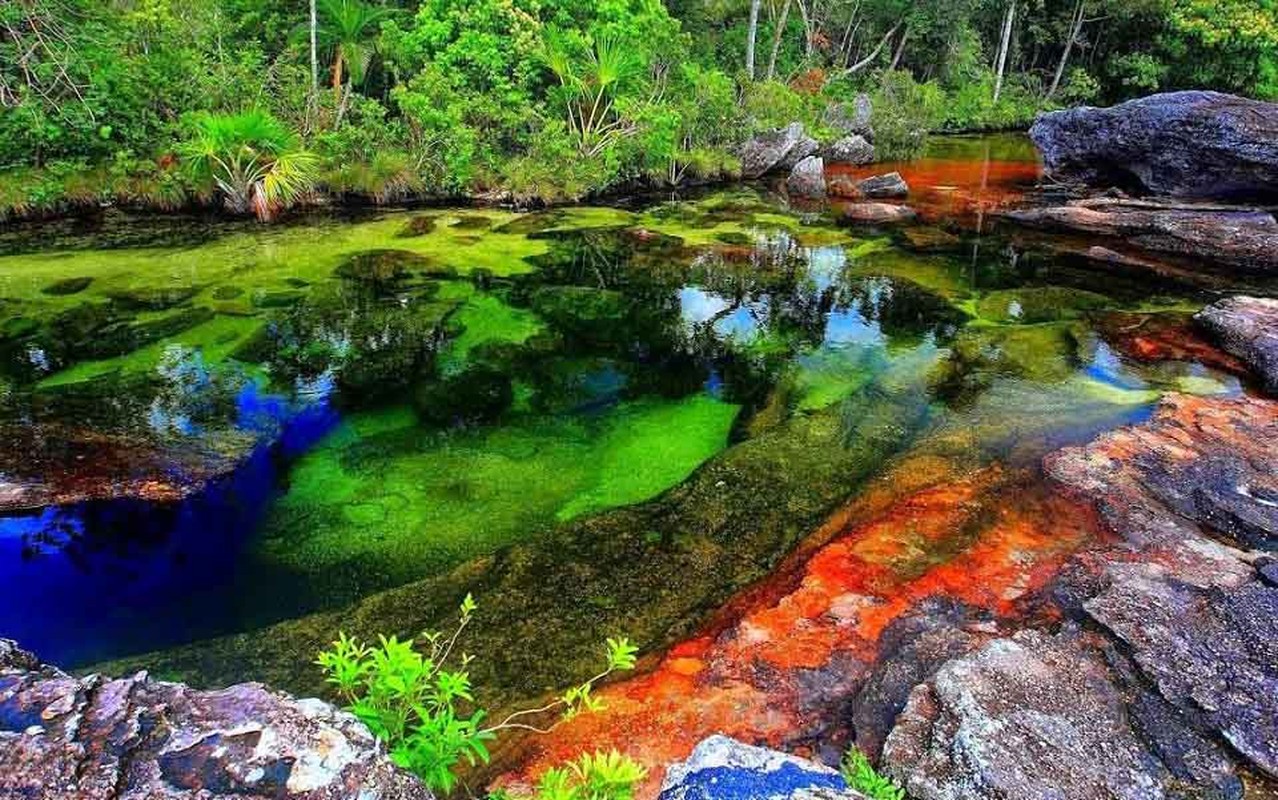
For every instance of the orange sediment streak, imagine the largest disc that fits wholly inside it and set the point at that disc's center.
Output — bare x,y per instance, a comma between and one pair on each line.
923,532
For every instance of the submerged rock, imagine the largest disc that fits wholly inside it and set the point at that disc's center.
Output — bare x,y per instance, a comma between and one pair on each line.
1189,144
68,286
1247,327
877,187
45,465
876,213
1243,239
139,739
721,768
807,179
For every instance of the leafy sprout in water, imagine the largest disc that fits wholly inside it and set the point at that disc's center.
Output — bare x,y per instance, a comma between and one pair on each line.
862,777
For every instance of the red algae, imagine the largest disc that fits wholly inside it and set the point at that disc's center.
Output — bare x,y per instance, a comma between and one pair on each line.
962,190
925,530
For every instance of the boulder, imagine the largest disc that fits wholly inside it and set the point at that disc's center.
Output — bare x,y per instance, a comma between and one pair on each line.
721,768
851,149
1187,144
877,187
1242,239
876,213
807,179
1247,327
772,150
1040,716
99,738
852,119
884,187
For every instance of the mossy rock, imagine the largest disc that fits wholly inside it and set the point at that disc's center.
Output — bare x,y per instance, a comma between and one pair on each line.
479,394
472,222
227,292
418,226
383,268
18,328
570,306
1044,354
68,286
536,222
282,298
1039,304
734,238
153,298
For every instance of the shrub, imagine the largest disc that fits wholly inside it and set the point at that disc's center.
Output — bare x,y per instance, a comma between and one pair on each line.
862,777
425,710
252,158
904,112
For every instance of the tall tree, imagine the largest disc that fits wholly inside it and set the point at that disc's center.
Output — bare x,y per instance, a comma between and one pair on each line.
752,34
1071,36
776,39
1005,44
314,51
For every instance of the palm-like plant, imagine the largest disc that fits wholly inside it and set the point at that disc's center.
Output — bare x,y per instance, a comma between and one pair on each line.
252,158
592,85
347,29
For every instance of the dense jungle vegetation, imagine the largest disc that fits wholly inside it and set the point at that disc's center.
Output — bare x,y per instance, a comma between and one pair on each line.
259,103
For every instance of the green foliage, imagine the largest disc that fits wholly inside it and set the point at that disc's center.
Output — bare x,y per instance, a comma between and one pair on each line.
411,696
597,776
862,777
904,112
252,158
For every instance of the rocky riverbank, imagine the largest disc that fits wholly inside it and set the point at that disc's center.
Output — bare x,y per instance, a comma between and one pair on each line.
135,738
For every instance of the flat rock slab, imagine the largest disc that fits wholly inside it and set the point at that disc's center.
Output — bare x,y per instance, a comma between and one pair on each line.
1036,716
98,738
1187,491
721,768
1187,144
1247,327
44,465
1245,240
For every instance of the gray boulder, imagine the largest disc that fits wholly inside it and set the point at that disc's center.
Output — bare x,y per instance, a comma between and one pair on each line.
778,149
1037,717
721,768
851,149
1187,144
852,118
807,179
1247,327
98,738
884,187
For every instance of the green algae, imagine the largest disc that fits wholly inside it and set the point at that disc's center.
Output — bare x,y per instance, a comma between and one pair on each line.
1039,304
215,340
486,321
650,570
382,500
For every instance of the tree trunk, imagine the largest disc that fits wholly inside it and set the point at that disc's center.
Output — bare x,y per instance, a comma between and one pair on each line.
1005,44
807,30
752,33
314,52
776,38
900,49
1075,27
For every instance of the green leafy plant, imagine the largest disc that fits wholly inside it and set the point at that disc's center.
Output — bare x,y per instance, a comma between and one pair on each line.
862,777
593,776
252,158
410,697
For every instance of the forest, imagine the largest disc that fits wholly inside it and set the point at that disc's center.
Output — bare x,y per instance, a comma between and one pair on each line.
264,103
